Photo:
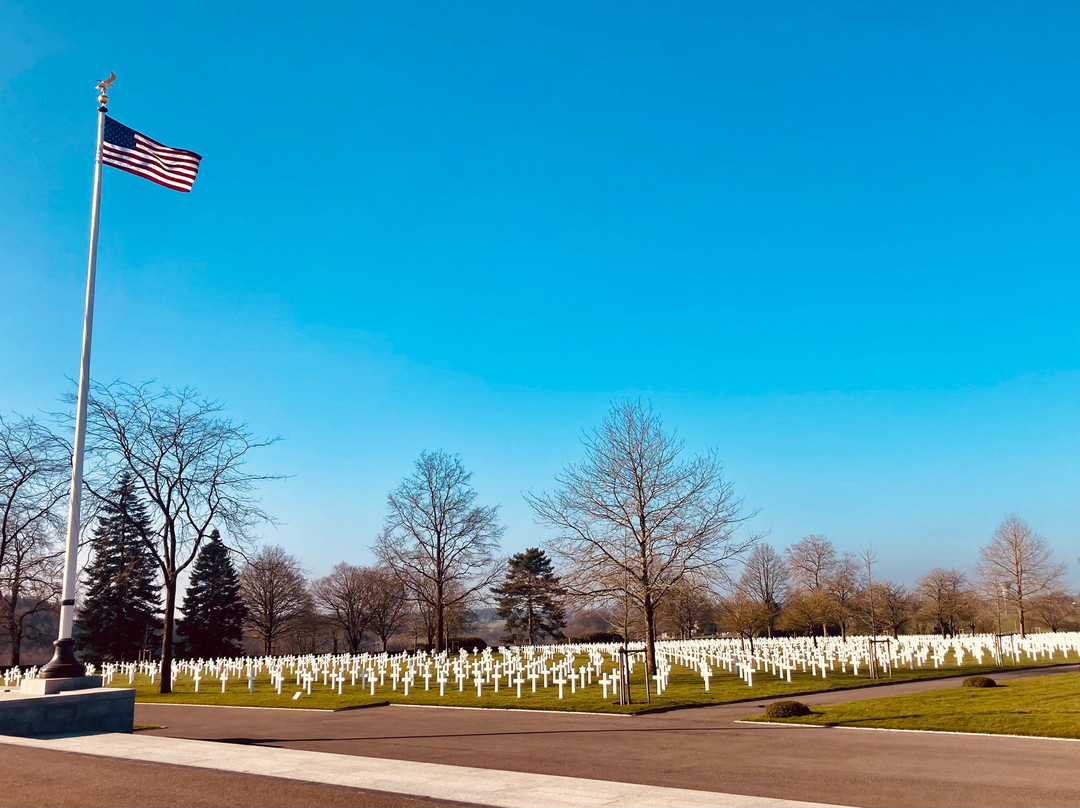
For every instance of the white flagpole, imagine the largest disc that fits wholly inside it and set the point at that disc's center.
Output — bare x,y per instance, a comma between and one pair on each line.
64,663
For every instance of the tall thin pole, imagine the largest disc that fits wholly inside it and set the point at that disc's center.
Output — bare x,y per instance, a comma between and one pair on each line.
64,663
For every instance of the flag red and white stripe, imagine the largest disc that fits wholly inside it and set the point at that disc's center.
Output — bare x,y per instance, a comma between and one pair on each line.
131,151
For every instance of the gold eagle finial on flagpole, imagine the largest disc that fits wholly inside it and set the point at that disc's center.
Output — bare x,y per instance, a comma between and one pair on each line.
104,85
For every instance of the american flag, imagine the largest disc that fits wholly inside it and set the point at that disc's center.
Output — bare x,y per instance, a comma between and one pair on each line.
130,151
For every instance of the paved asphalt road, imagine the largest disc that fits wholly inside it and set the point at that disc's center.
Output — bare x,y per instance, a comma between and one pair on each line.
700,748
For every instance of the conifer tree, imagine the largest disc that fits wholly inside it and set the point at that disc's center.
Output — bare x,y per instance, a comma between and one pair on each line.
120,612
530,599
213,612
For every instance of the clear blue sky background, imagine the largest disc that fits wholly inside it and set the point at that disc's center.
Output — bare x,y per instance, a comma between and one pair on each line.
837,242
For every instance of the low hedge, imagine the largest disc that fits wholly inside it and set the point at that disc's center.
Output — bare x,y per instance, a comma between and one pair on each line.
979,681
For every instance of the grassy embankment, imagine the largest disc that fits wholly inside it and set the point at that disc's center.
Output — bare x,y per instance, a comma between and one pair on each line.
685,689
1047,706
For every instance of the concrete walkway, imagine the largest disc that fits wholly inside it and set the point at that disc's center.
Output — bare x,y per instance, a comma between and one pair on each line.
439,782
43,777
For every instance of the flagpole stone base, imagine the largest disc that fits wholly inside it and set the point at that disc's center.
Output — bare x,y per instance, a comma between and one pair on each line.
46,687
40,707
63,664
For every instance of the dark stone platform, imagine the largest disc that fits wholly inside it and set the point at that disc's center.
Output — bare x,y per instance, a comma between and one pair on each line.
66,707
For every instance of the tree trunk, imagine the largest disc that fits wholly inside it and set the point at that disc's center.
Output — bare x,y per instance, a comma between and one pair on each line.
13,626
650,635
15,635
165,685
440,620
529,612
1023,624
16,643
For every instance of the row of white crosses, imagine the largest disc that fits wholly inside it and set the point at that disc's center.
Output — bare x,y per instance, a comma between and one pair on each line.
515,669
568,669
14,676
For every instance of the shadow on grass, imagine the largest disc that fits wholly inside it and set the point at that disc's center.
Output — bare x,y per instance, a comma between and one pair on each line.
871,720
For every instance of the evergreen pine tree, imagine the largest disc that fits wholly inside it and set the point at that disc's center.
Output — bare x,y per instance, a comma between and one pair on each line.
213,612
530,599
119,617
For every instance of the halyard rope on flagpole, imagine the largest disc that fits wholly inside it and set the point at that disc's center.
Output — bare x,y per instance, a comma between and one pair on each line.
64,662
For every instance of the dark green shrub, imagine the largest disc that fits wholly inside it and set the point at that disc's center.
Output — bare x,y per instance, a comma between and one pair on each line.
979,681
786,709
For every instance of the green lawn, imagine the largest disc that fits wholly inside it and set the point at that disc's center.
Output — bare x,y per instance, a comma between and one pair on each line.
685,689
1046,705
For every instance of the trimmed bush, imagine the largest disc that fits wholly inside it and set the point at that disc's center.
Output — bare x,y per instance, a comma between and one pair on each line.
979,681
786,709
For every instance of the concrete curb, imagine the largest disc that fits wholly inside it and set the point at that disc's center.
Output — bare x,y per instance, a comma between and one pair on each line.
898,729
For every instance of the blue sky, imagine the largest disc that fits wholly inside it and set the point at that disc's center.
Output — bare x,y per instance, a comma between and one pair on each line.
834,241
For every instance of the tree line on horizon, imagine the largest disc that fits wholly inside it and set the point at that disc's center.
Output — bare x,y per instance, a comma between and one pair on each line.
267,605
646,540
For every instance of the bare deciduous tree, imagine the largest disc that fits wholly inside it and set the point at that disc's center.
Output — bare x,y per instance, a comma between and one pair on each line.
842,586
308,633
275,592
634,519
807,610
743,614
188,463
811,560
35,470
942,593
893,607
29,582
1018,566
458,614
390,605
687,607
1056,610
765,578
347,596
437,542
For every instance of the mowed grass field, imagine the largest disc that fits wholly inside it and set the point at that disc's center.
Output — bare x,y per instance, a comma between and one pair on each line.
1047,706
686,689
